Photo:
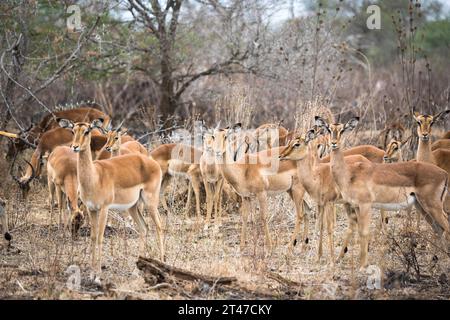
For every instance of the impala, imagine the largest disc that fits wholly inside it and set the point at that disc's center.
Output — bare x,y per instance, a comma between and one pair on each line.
212,179
395,186
441,156
253,175
116,183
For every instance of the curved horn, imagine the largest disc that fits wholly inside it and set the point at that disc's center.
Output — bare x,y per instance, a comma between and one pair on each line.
33,172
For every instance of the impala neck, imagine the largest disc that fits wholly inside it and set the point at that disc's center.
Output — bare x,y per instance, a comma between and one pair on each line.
86,170
424,151
305,168
338,166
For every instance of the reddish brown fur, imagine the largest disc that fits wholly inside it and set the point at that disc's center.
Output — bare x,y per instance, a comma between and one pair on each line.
441,144
48,123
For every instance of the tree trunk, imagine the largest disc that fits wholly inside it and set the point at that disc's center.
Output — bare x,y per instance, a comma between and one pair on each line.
169,101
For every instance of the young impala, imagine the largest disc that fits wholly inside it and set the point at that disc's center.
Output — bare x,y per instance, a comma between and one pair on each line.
117,183
395,186
212,179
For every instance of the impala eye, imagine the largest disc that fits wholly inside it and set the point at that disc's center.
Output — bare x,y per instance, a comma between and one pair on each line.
297,145
116,138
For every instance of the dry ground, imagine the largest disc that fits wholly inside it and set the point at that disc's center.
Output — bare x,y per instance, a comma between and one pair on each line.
37,267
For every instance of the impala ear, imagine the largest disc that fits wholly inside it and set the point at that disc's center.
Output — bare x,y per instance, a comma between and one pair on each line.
321,123
97,123
310,135
64,123
351,124
441,115
415,115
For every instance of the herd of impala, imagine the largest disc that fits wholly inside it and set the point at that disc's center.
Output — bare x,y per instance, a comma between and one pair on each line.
92,167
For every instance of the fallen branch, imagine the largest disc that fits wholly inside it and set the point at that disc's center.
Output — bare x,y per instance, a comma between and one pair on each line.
284,281
163,273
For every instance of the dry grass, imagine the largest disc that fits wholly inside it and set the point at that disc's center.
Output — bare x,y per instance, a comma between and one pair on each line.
38,271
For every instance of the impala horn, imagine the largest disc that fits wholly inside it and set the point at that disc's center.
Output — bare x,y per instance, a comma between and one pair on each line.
24,185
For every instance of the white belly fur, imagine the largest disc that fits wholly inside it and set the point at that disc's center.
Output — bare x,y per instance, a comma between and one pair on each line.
396,206
178,174
122,206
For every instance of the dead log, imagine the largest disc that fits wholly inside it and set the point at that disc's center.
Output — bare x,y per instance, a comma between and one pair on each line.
156,271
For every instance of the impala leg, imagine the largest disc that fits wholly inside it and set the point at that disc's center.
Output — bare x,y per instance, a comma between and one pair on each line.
363,229
435,215
209,202
320,218
305,239
297,197
159,232
94,215
60,200
139,221
103,215
188,201
383,219
196,187
352,227
244,216
262,199
51,196
218,202
331,219
164,184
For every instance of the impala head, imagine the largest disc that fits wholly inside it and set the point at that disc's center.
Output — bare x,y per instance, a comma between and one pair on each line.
114,138
24,181
297,149
336,130
81,132
393,152
224,138
208,141
425,123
